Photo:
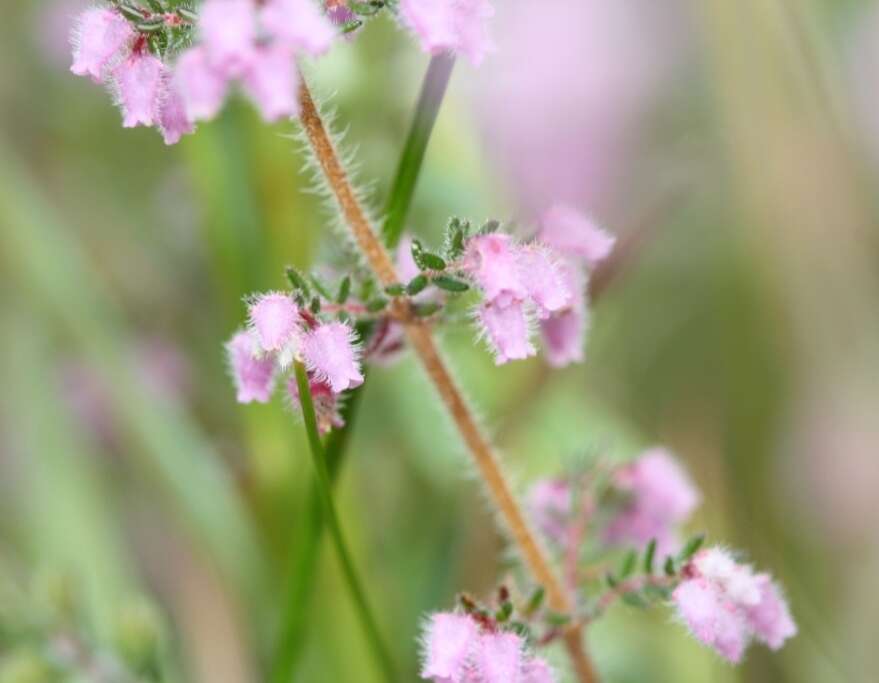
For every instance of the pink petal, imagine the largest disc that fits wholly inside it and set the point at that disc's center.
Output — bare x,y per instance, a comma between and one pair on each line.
201,87
569,231
228,33
331,355
450,26
544,279
499,658
173,120
254,376
448,646
100,37
770,618
271,82
493,261
506,329
275,319
299,24
140,83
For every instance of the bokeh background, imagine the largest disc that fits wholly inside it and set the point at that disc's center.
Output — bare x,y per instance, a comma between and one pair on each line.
732,145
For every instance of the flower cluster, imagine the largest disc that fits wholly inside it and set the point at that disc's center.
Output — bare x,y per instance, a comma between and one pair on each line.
133,50
477,648
641,505
726,605
282,331
169,67
650,497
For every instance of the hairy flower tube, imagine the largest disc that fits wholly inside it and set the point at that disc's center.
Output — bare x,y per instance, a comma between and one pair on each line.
726,605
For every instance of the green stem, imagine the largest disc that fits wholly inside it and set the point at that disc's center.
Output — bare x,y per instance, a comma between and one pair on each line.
300,582
324,485
432,91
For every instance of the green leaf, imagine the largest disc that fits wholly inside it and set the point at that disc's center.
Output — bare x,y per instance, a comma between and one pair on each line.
489,227
691,547
314,306
557,619
298,282
628,564
634,599
320,287
416,284
535,601
426,260
669,567
649,555
395,290
377,304
657,592
504,613
611,580
344,291
425,310
455,238
450,284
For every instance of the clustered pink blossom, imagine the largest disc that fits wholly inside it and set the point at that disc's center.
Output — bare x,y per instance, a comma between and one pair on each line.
659,497
519,282
457,649
456,26
581,245
253,44
726,605
278,333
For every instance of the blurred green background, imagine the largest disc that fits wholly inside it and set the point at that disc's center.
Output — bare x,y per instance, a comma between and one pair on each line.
736,144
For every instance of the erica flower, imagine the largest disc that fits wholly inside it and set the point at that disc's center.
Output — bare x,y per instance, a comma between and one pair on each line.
330,354
725,605
173,119
544,280
271,81
550,502
493,262
99,38
275,320
253,374
202,88
507,330
574,234
459,650
299,24
228,30
661,496
458,26
140,87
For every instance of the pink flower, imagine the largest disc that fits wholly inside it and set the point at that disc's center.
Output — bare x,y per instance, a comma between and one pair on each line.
563,336
569,231
506,328
324,400
299,24
537,671
331,356
662,496
275,319
564,332
271,82
173,120
499,657
254,376
725,605
202,88
228,33
770,618
448,645
450,26
544,280
140,86
712,620
493,261
550,503
100,37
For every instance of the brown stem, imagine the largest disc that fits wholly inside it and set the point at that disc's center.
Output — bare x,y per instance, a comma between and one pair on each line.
425,348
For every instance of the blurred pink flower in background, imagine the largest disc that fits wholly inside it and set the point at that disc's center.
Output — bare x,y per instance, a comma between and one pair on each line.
661,496
51,29
562,99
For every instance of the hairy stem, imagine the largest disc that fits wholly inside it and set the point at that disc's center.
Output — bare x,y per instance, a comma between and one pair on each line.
355,587
425,348
432,91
